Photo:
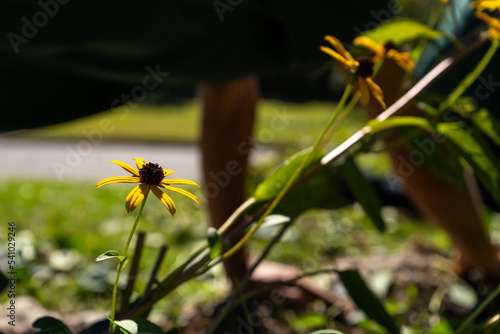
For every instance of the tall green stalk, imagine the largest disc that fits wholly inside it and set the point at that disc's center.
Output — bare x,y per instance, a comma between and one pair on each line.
122,264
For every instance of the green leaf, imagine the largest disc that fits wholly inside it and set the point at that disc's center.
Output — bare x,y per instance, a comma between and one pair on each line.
363,192
490,126
430,110
111,254
398,122
271,186
214,243
129,326
400,31
477,154
49,325
139,326
327,331
323,190
366,300
275,220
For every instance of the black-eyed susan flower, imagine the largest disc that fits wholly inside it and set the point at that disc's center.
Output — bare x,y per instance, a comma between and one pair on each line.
387,50
481,5
362,67
151,177
493,22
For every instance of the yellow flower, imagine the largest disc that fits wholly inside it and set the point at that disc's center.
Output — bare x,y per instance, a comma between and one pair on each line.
387,50
481,5
150,176
493,22
363,67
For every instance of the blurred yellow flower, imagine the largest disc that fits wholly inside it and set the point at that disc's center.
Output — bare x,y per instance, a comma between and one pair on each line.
490,5
363,67
387,50
493,22
150,176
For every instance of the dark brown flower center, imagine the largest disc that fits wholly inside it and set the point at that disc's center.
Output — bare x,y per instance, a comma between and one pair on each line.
365,68
389,46
151,173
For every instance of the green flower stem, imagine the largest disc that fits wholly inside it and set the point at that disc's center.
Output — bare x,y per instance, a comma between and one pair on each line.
470,78
305,163
136,222
236,214
122,264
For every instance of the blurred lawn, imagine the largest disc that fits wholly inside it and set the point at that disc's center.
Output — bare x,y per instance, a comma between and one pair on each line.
63,227
278,122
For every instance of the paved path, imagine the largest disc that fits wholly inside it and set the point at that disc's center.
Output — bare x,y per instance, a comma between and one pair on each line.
66,160
69,160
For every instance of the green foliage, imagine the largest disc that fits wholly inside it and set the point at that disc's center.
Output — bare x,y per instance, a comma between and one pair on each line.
475,151
401,31
308,321
139,326
366,300
490,126
362,191
112,254
214,243
271,186
49,325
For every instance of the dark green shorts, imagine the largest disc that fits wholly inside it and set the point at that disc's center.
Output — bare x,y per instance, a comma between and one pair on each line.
63,59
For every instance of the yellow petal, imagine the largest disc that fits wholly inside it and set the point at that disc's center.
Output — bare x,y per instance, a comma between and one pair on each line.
136,196
352,65
494,33
139,162
117,179
494,23
364,92
490,5
366,42
403,59
127,167
167,172
178,181
165,199
183,192
376,91
339,47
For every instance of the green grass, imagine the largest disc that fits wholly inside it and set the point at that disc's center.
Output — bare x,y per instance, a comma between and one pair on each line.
54,216
278,122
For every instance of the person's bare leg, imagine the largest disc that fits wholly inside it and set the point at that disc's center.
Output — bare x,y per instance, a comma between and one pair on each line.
228,120
454,207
